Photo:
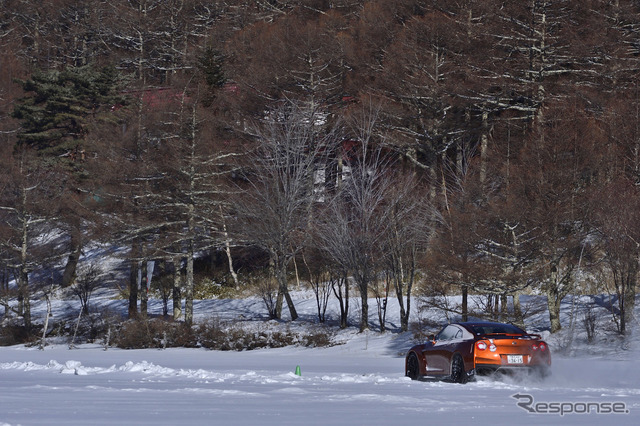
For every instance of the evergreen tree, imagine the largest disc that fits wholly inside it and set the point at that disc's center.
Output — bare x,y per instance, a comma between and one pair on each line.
59,107
210,64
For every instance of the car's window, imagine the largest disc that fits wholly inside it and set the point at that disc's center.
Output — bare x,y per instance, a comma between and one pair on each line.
458,335
496,329
447,333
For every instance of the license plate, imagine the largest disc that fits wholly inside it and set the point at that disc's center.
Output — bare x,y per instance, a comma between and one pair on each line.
514,359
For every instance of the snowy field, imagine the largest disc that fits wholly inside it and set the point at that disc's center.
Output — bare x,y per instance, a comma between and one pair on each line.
358,382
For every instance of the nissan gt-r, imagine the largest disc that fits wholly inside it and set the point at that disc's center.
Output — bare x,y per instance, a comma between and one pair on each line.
462,350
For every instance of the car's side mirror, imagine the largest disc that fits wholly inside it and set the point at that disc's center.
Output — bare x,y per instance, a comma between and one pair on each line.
431,337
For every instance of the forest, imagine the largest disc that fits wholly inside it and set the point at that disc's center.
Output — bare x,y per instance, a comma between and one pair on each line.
387,149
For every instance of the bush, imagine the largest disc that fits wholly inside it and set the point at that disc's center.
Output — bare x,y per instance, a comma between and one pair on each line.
317,339
13,334
213,335
153,333
210,335
208,289
160,333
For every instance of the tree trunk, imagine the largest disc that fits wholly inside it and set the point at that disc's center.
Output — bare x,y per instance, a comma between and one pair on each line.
403,314
465,303
344,315
177,298
364,316
553,303
292,309
628,298
227,249
382,309
280,271
629,304
144,295
189,284
24,297
283,290
404,321
43,341
133,279
554,297
4,289
363,285
517,309
343,299
23,274
277,313
69,275
404,311
484,147
188,289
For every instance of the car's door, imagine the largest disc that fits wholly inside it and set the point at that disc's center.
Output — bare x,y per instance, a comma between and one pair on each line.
438,355
453,345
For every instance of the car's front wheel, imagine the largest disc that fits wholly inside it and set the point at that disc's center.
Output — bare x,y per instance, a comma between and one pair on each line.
458,374
413,367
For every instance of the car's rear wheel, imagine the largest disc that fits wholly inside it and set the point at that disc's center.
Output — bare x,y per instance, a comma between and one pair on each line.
458,374
413,367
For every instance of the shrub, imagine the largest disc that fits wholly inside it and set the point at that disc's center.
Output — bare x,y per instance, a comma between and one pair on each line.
13,334
317,339
208,289
211,334
153,333
214,335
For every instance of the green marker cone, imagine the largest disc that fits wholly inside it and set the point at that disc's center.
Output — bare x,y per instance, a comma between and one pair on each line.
298,373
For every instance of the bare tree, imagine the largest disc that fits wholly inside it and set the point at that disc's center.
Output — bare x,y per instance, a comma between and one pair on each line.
553,174
86,284
422,112
275,207
30,193
356,220
616,207
352,230
325,274
411,218
320,279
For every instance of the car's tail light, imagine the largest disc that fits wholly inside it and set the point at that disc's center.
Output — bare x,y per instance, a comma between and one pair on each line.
535,347
492,347
481,345
543,346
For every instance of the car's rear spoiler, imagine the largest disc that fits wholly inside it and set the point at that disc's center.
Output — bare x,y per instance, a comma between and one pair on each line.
512,336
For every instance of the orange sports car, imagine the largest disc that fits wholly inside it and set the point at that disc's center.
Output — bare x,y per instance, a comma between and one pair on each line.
462,350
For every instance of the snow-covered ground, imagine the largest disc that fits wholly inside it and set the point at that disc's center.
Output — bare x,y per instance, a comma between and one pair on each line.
358,382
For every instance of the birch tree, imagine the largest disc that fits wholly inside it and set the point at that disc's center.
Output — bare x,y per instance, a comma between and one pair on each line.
192,193
30,194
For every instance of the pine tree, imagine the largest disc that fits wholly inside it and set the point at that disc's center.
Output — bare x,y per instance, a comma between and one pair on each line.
59,106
